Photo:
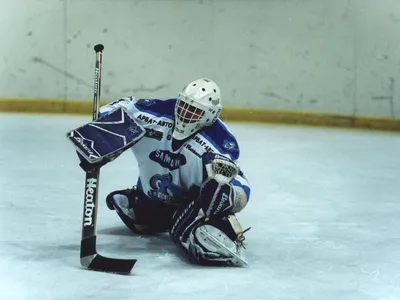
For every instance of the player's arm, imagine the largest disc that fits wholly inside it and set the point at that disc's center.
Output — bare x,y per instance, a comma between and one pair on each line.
225,188
126,103
132,105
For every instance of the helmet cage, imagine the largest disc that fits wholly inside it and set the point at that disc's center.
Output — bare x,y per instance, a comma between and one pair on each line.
192,115
188,113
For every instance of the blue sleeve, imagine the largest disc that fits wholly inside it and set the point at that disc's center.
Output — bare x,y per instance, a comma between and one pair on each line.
156,107
222,139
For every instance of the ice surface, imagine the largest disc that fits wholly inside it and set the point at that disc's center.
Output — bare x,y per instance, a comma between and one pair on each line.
324,211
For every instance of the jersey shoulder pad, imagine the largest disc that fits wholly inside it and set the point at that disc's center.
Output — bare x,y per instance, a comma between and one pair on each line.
222,139
157,107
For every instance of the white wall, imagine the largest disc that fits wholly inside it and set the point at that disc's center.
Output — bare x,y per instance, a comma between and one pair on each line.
334,56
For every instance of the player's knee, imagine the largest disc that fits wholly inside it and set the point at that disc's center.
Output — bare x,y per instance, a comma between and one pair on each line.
140,213
123,202
216,198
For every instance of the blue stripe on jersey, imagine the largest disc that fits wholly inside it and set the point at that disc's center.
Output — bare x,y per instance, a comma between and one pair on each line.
222,139
157,107
244,187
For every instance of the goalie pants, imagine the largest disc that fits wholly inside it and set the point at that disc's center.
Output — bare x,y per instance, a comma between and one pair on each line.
155,217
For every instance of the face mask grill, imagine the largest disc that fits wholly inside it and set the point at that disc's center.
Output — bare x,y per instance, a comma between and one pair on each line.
187,113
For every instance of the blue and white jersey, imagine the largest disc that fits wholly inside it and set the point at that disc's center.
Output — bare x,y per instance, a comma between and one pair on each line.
164,174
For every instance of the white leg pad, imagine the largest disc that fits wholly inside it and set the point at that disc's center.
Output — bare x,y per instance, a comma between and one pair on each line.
218,245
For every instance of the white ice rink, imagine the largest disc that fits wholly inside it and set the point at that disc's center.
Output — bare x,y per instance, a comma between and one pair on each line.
324,212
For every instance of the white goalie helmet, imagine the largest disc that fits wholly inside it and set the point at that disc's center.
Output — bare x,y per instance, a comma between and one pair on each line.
198,106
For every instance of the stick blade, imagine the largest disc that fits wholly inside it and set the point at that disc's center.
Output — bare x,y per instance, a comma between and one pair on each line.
110,265
91,260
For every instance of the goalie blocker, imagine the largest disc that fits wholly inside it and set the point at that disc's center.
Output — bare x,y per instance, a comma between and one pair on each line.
103,140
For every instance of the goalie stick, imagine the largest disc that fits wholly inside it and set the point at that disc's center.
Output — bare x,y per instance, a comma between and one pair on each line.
90,259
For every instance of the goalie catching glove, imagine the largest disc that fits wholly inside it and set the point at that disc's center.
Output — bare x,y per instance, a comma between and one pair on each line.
218,194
